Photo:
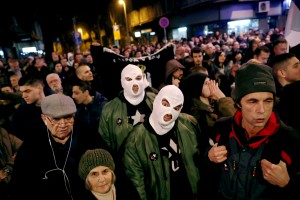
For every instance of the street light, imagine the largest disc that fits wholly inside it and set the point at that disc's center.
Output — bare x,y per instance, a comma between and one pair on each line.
125,13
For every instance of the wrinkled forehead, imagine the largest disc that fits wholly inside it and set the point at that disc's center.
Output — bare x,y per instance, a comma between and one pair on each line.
131,71
172,94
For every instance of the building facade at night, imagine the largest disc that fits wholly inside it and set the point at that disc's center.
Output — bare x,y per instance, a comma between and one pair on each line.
185,19
199,17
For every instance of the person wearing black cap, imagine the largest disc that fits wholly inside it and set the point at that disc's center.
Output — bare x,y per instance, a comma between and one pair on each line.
46,168
255,155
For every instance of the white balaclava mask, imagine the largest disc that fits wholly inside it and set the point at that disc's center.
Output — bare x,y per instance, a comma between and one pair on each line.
175,98
131,76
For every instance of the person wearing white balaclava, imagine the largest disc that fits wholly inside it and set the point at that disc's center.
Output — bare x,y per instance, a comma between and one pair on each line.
165,151
174,97
128,109
133,83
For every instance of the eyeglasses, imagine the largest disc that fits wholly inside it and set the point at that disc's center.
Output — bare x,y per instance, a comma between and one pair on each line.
67,120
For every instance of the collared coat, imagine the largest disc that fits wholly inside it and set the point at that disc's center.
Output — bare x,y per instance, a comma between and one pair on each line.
151,176
113,125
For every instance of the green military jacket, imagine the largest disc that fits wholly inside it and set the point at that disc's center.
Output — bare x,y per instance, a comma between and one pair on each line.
113,125
151,177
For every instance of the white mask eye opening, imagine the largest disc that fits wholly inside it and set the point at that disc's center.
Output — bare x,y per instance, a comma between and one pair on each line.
177,108
165,102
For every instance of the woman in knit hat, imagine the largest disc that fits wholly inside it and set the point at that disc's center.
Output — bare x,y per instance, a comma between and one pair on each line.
96,168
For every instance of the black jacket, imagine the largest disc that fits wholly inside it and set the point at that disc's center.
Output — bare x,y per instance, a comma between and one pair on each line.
240,176
49,170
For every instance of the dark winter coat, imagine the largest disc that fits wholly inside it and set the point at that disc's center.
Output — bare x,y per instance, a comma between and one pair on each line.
240,176
49,170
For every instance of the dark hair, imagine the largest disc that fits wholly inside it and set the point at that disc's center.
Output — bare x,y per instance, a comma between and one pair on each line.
83,85
216,60
251,42
30,81
278,60
260,49
196,50
279,41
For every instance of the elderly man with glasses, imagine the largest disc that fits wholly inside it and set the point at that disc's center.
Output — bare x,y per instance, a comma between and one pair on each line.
49,167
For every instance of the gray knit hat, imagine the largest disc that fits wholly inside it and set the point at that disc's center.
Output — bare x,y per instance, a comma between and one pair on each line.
253,77
58,105
94,158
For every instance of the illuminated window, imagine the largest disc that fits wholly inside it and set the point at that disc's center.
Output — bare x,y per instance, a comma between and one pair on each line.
179,33
137,34
29,49
242,26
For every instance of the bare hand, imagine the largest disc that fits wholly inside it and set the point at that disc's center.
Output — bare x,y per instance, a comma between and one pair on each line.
3,175
217,154
175,81
275,174
215,92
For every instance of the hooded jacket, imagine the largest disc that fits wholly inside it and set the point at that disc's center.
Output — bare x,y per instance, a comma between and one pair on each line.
171,67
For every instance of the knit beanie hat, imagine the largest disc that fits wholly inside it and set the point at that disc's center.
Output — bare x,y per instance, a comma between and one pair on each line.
94,158
253,77
193,84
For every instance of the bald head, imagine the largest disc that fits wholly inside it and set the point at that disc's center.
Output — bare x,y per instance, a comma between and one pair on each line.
84,73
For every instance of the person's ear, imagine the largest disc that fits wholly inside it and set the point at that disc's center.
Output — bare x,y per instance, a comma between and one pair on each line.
281,73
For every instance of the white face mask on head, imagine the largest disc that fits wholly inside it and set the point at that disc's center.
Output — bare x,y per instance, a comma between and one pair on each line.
175,98
133,72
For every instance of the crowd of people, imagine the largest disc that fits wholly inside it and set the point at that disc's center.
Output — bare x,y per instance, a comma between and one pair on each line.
222,124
